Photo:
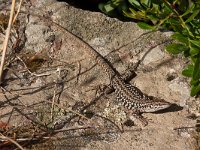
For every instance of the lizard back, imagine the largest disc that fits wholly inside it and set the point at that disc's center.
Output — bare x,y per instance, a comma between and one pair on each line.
128,95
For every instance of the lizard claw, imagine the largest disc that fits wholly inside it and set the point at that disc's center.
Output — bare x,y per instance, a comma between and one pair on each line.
139,119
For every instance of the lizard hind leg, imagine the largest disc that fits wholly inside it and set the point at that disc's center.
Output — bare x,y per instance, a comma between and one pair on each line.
138,118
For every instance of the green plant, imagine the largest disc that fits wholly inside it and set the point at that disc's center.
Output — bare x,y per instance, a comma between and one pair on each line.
181,16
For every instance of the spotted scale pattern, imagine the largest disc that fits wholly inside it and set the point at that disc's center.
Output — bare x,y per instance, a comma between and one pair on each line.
128,95
133,99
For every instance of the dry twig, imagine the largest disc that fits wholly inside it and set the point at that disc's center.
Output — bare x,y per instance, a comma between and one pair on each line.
11,140
53,102
5,44
67,109
18,10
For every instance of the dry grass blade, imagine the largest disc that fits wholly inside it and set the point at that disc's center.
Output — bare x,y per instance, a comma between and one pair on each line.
72,111
11,140
5,44
18,10
52,104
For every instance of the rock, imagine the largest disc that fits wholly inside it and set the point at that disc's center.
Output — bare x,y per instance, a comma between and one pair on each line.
153,56
181,88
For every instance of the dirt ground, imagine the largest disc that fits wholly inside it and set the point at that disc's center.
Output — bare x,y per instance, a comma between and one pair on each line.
52,89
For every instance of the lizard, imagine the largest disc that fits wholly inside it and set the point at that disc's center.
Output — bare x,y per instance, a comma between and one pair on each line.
127,95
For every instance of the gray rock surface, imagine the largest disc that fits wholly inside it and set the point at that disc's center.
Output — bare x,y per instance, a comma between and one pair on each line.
123,44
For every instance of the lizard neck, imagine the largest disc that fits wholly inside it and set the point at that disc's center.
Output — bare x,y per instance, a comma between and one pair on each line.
105,65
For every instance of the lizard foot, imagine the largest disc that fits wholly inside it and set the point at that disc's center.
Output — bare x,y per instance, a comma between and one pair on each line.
139,119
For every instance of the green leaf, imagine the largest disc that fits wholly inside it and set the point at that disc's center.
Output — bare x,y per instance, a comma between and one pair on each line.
193,59
196,42
188,71
181,38
194,14
195,90
195,24
176,48
189,10
128,14
135,3
152,17
196,72
168,7
133,14
133,11
146,3
194,51
173,21
186,53
139,15
156,2
155,7
108,7
183,5
145,26
194,82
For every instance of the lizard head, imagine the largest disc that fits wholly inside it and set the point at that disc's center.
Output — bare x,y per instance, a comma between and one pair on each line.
156,104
